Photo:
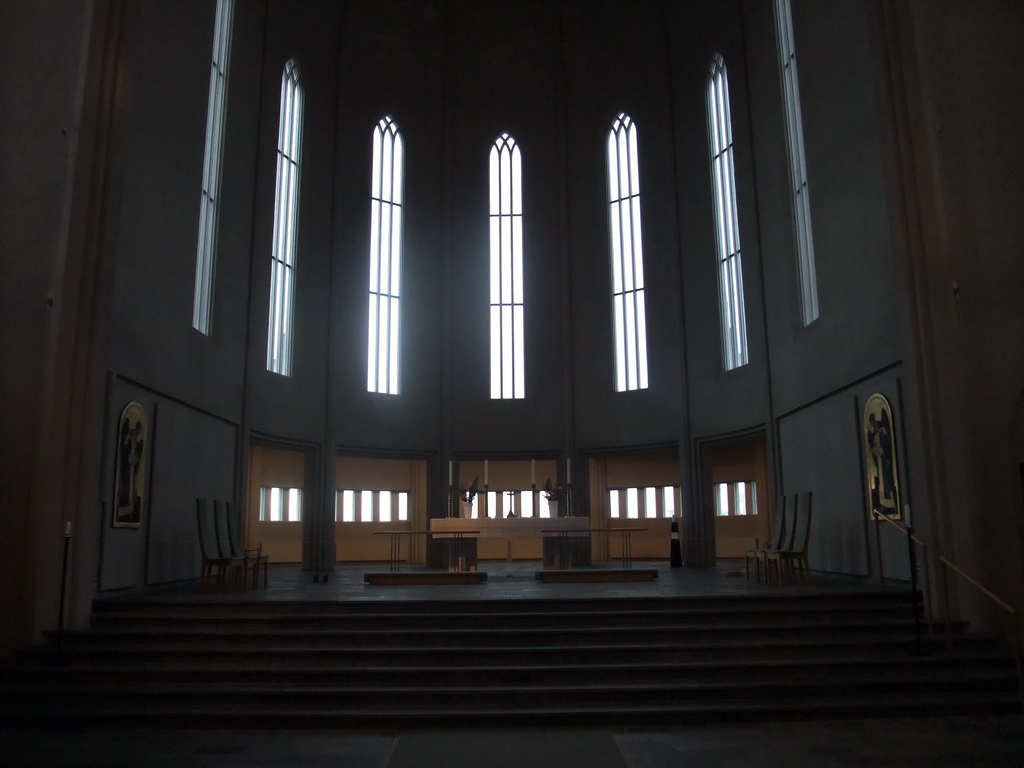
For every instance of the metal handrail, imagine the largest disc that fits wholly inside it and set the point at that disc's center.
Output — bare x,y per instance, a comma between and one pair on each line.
1014,620
928,613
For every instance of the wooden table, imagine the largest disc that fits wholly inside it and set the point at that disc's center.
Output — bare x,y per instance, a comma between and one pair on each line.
625,537
395,557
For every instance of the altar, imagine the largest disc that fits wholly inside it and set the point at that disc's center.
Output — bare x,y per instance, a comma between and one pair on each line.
561,542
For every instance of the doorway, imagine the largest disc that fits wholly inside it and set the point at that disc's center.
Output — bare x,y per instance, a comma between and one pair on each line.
640,489
737,493
277,501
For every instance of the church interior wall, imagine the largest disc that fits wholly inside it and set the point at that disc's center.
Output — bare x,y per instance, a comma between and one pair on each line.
823,450
454,76
719,401
41,51
188,454
391,62
852,241
294,406
615,60
501,76
157,229
971,121
820,453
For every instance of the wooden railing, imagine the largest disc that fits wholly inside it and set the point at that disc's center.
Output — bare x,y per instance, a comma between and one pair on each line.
1011,614
1013,619
925,571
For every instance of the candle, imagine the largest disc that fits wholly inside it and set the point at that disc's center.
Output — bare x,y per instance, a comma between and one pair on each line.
67,528
533,471
906,514
449,471
485,472
568,471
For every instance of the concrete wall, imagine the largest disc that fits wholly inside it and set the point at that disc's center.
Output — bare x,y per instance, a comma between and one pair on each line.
811,368
910,122
43,60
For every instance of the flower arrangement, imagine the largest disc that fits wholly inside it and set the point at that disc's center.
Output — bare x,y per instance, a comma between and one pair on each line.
553,492
470,491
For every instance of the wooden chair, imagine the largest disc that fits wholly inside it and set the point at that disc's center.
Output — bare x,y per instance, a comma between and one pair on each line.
215,567
253,559
757,554
235,570
792,561
784,544
257,561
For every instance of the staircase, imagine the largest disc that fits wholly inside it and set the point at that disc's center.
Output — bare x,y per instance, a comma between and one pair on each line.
612,662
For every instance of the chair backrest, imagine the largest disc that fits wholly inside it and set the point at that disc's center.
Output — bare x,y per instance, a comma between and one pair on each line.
795,520
220,527
234,545
803,534
779,527
205,528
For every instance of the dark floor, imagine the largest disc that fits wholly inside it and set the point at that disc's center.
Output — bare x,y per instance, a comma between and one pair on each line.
959,742
894,740
505,581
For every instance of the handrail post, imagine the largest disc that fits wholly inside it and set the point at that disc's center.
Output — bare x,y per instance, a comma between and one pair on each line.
878,549
928,612
916,648
1015,619
945,599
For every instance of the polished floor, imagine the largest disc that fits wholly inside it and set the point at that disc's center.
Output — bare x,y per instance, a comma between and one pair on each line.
505,581
887,742
959,742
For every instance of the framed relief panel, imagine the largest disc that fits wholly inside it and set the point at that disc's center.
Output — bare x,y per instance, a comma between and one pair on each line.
130,467
880,458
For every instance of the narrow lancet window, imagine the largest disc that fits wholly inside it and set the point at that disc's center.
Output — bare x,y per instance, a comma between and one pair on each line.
727,230
286,212
202,300
800,199
385,258
627,260
506,292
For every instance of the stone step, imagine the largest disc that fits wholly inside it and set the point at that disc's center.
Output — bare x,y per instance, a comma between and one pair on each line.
252,711
681,634
896,668
744,648
621,663
184,694
382,622
253,604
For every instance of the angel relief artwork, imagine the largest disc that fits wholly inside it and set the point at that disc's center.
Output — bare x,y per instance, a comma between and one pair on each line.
880,458
130,469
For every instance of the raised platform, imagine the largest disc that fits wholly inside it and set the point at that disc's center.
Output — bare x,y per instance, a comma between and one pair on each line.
427,578
596,575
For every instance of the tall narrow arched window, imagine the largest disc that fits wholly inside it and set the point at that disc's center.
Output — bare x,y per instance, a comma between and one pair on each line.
286,213
799,196
628,306
507,355
727,229
385,258
202,298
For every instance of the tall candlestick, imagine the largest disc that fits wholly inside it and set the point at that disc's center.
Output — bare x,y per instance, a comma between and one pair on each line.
533,471
568,471
485,472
